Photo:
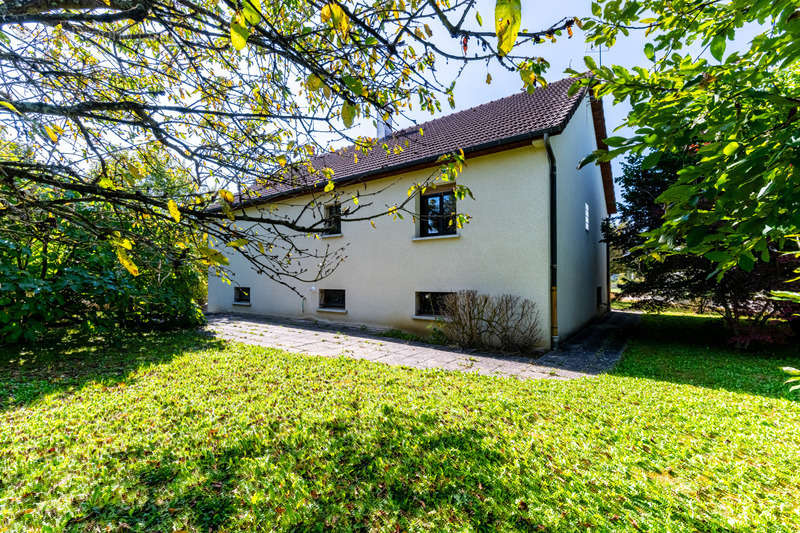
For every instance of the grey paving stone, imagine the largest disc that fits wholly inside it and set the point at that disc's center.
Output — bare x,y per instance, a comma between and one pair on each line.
594,350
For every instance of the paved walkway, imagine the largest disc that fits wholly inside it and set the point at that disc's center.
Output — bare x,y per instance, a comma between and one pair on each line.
595,349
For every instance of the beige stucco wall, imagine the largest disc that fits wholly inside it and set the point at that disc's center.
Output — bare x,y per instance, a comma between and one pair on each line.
504,249
581,255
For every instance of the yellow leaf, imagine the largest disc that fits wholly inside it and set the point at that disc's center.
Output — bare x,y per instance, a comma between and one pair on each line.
122,255
488,79
372,222
8,105
51,134
282,160
335,16
133,170
355,200
507,18
173,210
314,82
226,195
238,243
329,186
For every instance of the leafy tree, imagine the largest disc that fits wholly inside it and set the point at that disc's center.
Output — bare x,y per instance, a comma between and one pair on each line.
236,94
55,276
736,203
743,298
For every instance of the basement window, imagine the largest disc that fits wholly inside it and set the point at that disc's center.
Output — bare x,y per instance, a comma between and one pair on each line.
331,299
431,303
241,295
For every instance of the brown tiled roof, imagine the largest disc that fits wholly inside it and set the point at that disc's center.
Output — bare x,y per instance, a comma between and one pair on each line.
501,124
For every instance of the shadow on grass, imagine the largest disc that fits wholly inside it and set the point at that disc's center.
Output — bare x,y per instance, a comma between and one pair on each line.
29,372
693,350
404,468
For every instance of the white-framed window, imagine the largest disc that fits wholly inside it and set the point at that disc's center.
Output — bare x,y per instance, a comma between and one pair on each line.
586,216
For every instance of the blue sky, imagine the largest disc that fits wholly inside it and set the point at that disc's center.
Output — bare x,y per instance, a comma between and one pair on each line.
472,90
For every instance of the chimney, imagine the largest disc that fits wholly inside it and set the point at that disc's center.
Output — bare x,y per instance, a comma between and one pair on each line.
384,126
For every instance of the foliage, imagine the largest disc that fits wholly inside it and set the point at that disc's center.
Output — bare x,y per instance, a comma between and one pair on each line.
56,276
735,102
179,431
243,97
482,321
663,281
411,337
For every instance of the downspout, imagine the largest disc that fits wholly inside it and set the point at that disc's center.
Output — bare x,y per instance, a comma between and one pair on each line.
551,159
608,273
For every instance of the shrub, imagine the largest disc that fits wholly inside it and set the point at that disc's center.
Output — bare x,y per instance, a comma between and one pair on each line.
506,322
58,276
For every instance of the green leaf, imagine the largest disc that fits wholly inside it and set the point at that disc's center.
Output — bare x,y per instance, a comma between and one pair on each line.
478,18
252,11
238,243
239,32
651,160
348,114
718,44
507,18
314,82
650,51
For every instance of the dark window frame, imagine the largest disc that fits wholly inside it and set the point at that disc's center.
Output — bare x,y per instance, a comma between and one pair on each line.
241,295
429,303
445,224
333,219
328,299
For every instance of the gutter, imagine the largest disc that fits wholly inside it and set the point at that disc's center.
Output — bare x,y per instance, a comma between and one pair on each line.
551,159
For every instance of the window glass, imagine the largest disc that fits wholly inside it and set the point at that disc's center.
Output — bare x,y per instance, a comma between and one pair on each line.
241,294
333,219
437,216
332,299
431,303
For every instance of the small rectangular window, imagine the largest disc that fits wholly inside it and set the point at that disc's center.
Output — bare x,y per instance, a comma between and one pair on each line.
586,216
331,299
241,295
437,214
333,219
431,303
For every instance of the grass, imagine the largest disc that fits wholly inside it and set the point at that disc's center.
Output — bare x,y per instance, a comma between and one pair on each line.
179,431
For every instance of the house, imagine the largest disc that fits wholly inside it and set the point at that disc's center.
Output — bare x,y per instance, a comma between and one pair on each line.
535,228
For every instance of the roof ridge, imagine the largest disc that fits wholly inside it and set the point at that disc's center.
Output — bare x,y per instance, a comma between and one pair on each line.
475,107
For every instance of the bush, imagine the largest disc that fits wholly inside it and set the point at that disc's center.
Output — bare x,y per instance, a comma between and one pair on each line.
507,322
58,276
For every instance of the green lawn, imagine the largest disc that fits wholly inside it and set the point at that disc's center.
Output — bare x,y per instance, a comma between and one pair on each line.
177,431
